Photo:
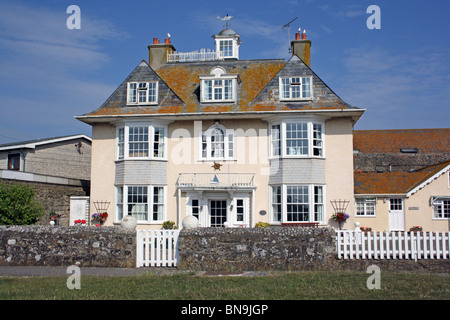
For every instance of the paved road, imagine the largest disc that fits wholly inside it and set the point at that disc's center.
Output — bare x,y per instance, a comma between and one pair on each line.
21,271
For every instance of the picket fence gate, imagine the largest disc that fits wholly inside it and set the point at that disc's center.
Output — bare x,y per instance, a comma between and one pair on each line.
392,245
157,248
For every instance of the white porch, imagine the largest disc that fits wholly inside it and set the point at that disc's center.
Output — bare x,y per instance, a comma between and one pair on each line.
217,199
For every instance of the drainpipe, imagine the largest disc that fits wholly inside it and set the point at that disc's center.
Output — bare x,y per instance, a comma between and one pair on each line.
179,210
23,158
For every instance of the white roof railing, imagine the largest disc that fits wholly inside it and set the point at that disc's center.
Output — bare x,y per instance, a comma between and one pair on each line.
194,56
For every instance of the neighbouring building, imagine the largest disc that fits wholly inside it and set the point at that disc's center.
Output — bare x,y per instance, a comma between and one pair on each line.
229,141
402,179
57,168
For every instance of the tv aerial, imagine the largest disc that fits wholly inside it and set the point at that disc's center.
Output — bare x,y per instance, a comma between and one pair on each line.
288,27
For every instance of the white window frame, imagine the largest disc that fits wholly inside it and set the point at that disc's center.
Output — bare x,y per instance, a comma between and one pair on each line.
438,203
315,145
365,207
124,153
222,45
123,203
294,85
229,144
311,203
218,79
145,88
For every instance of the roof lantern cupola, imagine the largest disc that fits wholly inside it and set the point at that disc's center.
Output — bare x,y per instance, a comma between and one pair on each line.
227,41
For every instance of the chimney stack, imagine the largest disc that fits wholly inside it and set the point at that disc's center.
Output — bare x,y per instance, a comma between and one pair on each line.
157,53
301,47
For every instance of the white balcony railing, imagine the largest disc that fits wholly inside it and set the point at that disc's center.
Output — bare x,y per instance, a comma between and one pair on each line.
194,56
216,180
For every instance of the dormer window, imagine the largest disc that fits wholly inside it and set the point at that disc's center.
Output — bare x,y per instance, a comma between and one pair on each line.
218,86
142,93
295,88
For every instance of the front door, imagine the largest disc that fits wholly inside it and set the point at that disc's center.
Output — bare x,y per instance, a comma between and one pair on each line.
217,212
396,215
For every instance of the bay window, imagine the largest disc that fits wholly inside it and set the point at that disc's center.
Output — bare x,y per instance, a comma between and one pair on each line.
141,141
297,203
145,203
296,138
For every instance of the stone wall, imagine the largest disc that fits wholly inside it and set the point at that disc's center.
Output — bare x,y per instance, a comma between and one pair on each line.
65,246
242,249
277,248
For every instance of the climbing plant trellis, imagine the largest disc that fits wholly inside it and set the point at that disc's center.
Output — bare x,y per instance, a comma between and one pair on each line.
101,210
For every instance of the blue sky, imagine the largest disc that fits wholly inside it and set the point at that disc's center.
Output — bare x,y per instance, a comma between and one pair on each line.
49,74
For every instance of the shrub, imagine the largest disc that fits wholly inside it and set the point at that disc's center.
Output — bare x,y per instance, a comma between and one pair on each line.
18,205
262,225
168,225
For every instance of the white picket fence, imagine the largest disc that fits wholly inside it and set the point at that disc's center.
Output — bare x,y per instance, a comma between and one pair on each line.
157,248
392,245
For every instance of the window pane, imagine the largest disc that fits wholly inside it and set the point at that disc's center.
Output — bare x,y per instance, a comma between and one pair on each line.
276,140
296,139
297,204
276,203
119,205
317,140
217,143
228,89
158,143
142,92
138,142
207,89
132,92
158,203
285,88
195,208
306,87
137,202
152,92
226,47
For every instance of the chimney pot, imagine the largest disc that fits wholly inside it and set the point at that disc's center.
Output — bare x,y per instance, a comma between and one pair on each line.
155,40
167,40
303,35
297,36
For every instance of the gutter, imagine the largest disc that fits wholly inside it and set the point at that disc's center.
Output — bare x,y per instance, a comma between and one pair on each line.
259,114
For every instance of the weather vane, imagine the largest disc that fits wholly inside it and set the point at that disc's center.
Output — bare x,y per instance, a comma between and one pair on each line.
226,19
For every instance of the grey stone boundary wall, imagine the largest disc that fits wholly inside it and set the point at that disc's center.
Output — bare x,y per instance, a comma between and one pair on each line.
277,248
64,246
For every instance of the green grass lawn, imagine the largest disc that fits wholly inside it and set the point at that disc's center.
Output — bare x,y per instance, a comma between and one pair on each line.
274,286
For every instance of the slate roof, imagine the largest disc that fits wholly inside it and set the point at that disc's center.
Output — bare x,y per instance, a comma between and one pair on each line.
391,141
179,90
375,183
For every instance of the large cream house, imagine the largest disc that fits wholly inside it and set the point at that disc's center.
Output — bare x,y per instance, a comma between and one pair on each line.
231,142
